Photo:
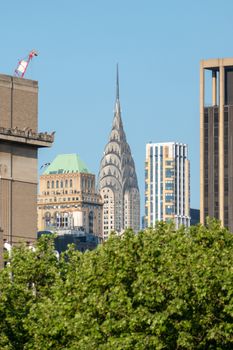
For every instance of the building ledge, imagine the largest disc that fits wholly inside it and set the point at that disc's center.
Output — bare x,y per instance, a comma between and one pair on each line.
26,136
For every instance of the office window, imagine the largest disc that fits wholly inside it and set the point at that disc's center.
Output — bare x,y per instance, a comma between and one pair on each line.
169,162
169,173
169,197
169,185
169,209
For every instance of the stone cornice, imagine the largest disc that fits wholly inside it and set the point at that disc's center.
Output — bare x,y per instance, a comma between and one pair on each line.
26,136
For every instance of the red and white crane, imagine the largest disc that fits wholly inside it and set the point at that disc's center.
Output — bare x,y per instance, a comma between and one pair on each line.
23,64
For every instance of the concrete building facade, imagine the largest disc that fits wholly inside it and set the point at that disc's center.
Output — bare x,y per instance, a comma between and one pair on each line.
216,145
68,202
167,184
118,183
19,142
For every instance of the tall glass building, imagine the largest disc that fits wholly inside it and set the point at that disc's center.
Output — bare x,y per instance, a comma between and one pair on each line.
167,183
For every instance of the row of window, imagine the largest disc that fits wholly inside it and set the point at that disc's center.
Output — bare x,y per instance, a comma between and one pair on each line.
59,199
48,207
86,183
66,220
59,184
47,193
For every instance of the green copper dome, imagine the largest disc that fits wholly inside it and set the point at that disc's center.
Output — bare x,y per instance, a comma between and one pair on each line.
66,164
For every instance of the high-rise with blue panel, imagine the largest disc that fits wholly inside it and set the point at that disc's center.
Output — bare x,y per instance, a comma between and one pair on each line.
167,183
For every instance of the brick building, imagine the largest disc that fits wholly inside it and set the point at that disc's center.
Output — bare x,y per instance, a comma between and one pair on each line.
19,143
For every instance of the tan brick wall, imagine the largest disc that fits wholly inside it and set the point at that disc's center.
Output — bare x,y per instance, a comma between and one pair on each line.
24,164
5,210
24,217
18,102
5,106
18,165
5,160
25,109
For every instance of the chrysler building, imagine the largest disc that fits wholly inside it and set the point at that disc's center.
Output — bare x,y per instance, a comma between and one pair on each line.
118,183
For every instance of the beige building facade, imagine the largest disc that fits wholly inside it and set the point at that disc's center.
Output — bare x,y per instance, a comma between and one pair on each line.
216,147
67,200
19,142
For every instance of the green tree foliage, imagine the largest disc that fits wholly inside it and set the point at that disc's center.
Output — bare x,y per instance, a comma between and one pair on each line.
160,289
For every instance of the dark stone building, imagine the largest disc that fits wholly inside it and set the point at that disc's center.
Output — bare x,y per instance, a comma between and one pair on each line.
81,241
216,148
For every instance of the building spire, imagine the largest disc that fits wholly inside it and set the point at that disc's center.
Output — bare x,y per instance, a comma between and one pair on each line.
117,114
117,84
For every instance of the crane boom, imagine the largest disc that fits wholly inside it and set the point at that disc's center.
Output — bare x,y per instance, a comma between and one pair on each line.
23,64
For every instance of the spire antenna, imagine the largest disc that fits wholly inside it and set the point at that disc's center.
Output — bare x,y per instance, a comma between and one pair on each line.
117,84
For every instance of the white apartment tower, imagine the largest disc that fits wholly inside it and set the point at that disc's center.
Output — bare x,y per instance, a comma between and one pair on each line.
167,183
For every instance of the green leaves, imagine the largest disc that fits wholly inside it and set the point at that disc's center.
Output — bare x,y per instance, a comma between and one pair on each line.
160,289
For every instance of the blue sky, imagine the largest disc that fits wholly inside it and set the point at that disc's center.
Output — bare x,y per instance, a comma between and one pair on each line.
158,45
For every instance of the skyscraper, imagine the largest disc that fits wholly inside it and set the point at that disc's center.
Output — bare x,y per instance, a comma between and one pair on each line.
167,196
118,180
216,145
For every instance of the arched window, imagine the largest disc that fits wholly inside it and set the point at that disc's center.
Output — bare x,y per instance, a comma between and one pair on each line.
52,184
48,184
57,184
65,220
91,223
71,183
57,219
66,183
47,219
61,184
